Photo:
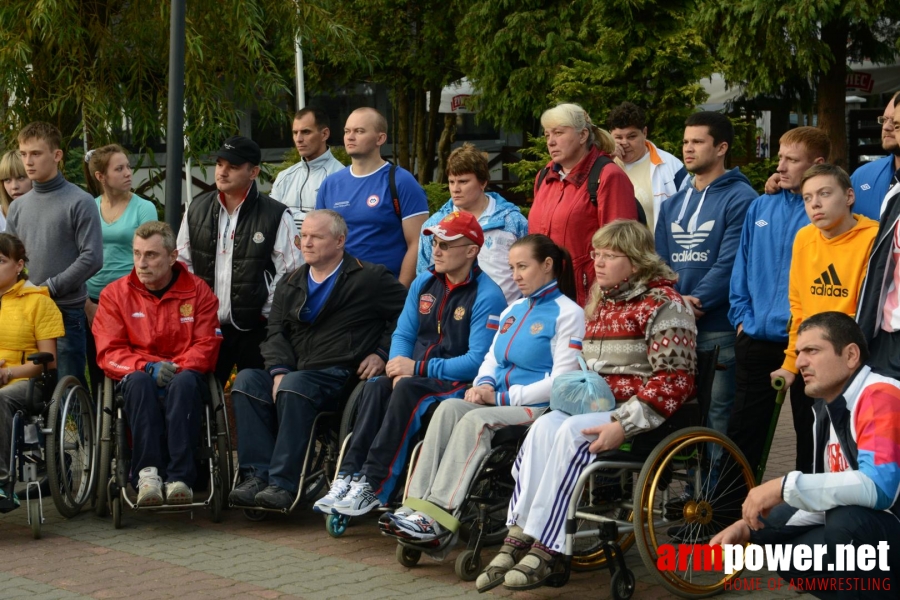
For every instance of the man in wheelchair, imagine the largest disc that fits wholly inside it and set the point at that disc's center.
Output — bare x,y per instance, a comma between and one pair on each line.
29,322
852,495
157,334
331,323
443,333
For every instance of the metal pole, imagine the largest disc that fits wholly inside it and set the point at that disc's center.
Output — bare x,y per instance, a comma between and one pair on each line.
298,66
175,127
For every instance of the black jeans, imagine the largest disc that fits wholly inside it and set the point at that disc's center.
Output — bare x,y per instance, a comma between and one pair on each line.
239,348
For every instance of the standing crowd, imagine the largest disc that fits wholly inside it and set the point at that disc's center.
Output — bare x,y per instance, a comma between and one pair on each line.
457,324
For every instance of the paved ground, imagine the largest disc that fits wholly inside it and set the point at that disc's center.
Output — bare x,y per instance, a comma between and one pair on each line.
175,556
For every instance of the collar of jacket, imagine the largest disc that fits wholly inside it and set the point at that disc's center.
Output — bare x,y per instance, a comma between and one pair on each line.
323,158
183,285
299,277
579,174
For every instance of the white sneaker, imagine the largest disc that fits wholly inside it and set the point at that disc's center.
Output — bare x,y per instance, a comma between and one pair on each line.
178,492
358,501
339,488
149,488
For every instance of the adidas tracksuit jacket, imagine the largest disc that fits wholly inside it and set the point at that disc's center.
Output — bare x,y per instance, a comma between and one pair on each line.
826,275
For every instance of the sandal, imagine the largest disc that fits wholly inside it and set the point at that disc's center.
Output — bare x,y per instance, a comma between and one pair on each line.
533,570
511,552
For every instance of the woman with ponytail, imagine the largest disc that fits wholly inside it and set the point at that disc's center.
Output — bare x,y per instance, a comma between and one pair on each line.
562,206
539,337
108,175
641,338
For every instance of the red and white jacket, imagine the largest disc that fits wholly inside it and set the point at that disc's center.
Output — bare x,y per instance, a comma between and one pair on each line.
133,327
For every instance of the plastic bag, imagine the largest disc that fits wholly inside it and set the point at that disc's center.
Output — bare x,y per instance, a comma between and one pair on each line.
581,392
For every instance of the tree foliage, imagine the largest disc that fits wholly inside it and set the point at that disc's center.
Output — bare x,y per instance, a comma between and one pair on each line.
773,47
100,67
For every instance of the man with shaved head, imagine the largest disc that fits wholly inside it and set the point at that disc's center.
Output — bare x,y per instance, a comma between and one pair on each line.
384,206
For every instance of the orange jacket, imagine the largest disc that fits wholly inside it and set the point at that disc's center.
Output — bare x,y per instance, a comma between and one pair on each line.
133,327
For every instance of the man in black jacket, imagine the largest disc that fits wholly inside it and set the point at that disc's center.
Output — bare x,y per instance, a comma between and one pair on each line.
330,324
241,243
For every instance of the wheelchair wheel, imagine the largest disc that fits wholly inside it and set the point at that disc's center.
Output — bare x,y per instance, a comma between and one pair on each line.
104,441
255,515
215,503
224,457
116,509
690,488
34,517
348,417
409,557
336,525
70,446
622,584
468,565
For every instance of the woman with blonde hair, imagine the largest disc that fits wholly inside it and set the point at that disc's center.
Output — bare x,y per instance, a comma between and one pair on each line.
641,338
564,208
15,183
108,173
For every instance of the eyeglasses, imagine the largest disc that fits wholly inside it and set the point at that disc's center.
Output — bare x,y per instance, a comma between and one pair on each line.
605,256
444,246
884,120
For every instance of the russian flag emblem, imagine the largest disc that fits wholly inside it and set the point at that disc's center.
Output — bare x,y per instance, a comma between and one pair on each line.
575,343
493,322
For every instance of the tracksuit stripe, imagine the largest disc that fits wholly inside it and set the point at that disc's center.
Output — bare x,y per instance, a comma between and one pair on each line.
563,494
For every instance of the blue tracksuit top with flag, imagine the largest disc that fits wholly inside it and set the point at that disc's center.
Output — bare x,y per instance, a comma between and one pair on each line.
446,332
539,338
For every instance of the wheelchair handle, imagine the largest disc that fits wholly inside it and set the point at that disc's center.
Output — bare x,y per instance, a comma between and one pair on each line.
778,383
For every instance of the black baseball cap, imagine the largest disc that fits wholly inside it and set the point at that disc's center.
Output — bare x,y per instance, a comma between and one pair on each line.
239,150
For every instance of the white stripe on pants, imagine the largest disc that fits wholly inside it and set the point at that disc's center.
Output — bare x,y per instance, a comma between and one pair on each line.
458,438
554,454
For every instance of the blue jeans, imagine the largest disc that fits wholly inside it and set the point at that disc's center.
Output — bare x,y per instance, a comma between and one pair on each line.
273,436
724,383
71,349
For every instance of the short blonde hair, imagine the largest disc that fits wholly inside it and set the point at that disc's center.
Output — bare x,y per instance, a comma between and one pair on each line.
572,115
635,241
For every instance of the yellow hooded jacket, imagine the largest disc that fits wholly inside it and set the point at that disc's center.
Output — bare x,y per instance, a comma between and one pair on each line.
826,275
27,314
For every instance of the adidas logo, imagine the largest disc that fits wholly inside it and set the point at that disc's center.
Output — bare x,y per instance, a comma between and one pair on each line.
829,284
690,240
761,223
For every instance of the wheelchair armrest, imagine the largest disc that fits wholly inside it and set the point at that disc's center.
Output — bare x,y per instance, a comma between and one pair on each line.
41,358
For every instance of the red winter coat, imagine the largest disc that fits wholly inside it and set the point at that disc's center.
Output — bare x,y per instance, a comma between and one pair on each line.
133,327
563,211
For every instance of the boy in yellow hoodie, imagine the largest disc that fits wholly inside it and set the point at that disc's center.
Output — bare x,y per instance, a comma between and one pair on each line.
828,266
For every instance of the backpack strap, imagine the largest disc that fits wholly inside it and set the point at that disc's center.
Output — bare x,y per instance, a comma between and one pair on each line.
540,178
594,176
395,195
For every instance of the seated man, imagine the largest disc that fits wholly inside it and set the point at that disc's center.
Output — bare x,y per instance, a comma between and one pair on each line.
443,333
331,321
851,498
157,333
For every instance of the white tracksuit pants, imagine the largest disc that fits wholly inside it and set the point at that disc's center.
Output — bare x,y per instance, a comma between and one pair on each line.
554,454
458,438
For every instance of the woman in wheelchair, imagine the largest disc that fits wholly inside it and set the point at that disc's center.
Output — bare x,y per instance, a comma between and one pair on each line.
538,337
29,322
640,337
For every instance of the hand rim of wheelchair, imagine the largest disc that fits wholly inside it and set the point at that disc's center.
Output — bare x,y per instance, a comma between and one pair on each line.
68,397
671,450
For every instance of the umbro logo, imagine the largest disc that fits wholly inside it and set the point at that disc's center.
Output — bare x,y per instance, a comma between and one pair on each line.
761,223
865,187
828,284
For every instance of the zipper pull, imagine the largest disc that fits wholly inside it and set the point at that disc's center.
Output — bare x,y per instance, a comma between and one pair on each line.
439,327
584,281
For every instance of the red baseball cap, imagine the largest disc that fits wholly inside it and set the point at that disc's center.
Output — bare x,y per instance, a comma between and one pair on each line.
458,225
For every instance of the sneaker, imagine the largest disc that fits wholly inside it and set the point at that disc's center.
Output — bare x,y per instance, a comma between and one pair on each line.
339,488
245,492
386,520
150,491
8,501
178,492
275,497
418,527
359,499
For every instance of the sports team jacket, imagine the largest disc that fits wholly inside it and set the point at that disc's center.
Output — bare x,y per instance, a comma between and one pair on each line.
447,333
252,266
356,320
865,470
880,272
562,210
539,338
133,327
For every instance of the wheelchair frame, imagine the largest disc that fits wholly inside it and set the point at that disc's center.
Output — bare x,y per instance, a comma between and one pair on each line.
36,439
214,445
